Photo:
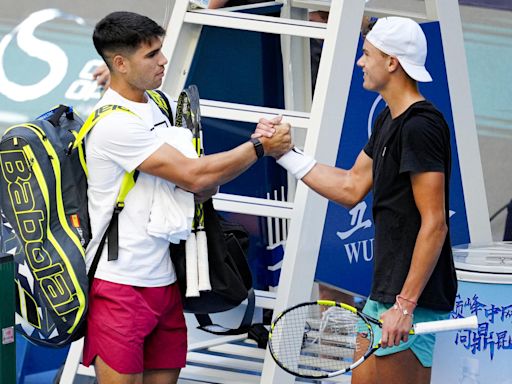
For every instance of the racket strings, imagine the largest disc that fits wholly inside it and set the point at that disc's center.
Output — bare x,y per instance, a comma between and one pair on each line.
315,341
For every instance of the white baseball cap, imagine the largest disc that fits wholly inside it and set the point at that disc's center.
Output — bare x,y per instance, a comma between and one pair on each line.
403,38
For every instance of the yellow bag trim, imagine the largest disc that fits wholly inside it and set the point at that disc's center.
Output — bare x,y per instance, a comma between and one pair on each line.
127,184
62,219
155,96
128,180
93,119
81,156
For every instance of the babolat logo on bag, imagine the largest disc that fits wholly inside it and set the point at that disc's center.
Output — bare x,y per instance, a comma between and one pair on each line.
43,189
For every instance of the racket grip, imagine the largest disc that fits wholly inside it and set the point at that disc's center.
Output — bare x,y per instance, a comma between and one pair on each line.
470,322
202,262
191,266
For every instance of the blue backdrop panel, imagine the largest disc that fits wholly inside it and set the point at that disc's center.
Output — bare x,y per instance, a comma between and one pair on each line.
346,250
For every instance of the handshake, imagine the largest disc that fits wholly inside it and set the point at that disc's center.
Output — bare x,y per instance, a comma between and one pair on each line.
275,137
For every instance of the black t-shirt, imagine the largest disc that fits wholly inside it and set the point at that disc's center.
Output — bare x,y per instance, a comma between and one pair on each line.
416,141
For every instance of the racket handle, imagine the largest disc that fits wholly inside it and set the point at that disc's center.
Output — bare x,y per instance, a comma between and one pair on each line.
470,322
202,262
191,266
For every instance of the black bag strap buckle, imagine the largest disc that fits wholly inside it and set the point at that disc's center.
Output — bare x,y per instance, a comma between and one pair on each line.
118,207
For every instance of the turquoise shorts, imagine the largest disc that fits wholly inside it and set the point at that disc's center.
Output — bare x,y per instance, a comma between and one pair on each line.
421,345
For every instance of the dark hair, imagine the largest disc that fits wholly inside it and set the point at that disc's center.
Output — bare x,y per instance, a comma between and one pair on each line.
124,31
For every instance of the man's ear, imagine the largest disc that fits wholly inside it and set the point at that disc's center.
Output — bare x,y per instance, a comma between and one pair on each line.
119,63
393,64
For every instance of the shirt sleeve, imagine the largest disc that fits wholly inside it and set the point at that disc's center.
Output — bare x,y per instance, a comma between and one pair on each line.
369,148
424,145
125,139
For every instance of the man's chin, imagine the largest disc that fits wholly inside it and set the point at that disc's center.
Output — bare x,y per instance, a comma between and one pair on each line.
368,87
156,84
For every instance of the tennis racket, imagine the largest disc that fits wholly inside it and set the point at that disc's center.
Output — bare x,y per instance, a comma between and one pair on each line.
318,339
196,246
201,240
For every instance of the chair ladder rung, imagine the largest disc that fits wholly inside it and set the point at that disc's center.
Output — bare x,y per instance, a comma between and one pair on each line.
251,113
257,23
253,206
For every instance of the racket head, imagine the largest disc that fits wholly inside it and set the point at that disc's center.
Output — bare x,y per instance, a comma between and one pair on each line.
318,339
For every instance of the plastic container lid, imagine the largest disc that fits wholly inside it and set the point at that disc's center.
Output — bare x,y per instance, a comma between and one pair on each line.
493,260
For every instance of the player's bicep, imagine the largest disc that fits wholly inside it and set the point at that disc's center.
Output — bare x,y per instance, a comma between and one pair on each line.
346,187
429,194
363,173
170,164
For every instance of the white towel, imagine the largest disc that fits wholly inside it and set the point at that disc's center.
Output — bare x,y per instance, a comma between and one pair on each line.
172,210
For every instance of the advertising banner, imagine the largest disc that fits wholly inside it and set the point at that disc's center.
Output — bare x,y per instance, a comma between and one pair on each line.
484,353
46,59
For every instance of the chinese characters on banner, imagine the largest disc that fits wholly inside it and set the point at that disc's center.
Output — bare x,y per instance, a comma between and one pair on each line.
494,331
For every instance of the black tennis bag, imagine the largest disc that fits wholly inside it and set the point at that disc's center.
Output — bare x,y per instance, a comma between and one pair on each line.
230,275
43,195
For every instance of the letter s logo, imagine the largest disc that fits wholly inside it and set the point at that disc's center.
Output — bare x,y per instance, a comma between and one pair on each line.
40,49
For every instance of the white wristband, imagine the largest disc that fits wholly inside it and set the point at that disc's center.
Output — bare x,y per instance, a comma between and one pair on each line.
297,163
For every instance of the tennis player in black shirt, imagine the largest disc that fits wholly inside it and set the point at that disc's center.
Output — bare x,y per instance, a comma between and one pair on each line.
406,164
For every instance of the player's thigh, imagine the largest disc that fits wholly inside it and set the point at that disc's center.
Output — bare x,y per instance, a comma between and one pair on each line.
402,368
161,376
365,373
107,375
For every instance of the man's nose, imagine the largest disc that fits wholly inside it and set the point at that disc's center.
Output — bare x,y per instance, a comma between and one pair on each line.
163,60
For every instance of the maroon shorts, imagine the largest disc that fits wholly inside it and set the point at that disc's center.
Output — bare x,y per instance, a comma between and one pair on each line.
134,329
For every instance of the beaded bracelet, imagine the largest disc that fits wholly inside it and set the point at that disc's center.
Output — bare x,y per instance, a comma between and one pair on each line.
397,306
408,300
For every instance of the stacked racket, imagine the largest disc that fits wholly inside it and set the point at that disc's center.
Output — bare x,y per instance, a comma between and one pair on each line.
196,246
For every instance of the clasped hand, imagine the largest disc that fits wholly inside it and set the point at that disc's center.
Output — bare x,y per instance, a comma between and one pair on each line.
274,135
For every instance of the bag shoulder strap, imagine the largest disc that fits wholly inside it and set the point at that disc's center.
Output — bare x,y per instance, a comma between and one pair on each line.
94,118
112,231
129,179
162,102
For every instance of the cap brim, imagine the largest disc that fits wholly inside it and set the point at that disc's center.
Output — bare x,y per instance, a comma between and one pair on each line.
417,72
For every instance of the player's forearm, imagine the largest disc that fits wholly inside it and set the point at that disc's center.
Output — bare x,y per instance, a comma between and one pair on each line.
429,244
334,184
199,174
217,169
345,187
196,175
